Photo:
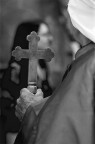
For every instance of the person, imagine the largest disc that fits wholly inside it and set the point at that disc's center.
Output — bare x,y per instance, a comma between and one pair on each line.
13,82
67,116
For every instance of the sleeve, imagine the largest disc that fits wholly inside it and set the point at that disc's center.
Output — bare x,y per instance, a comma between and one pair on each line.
26,126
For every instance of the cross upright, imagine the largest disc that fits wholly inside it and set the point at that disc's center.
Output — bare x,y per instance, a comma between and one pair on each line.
33,54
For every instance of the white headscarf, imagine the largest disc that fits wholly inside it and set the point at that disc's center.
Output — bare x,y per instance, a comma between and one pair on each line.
82,14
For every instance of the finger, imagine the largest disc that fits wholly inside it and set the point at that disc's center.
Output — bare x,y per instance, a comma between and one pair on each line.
18,101
18,115
20,111
24,104
38,96
26,95
24,90
39,93
21,104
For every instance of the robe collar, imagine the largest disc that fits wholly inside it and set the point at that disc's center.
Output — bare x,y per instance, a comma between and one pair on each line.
84,49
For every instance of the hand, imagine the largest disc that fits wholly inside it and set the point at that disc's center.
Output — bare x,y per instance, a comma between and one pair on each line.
26,99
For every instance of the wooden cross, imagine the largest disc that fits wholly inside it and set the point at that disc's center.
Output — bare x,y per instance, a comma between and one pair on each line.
33,54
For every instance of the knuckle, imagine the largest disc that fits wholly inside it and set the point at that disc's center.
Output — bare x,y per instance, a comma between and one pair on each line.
39,93
24,91
24,95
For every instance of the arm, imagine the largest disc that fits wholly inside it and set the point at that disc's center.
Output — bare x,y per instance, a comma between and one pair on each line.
27,113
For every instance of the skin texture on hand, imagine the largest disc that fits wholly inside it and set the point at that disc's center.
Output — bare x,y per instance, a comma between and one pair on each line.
26,99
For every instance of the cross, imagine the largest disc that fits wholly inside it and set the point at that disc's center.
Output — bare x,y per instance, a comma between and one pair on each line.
33,54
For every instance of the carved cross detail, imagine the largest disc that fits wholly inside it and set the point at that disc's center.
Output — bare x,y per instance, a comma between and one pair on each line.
33,54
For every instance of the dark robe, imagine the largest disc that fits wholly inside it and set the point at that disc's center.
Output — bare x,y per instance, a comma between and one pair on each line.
68,115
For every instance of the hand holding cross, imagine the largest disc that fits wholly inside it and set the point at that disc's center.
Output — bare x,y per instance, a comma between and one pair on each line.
33,54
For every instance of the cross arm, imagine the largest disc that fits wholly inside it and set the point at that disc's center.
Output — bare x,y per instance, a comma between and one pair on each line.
45,54
20,53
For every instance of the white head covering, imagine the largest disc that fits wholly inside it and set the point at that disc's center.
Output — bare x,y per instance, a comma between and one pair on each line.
82,14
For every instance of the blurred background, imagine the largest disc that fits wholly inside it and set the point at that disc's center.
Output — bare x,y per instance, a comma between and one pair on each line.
50,19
